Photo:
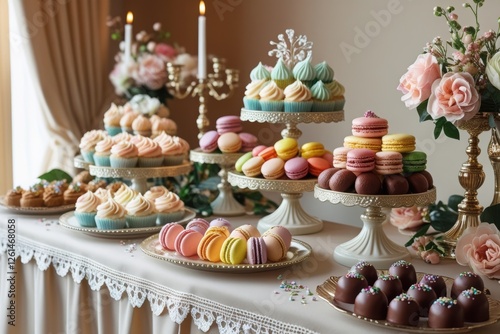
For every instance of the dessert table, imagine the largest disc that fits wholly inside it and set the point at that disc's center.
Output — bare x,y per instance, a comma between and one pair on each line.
65,281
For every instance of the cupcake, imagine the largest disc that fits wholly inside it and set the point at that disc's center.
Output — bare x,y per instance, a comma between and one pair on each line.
62,184
163,124
103,151
150,153
13,196
170,208
86,209
103,194
172,148
88,143
260,72
281,74
124,195
122,136
110,215
321,97
271,97
154,192
140,212
126,121
124,155
32,198
324,72
112,119
297,98
337,91
53,196
251,98
142,126
96,184
113,187
304,72
74,191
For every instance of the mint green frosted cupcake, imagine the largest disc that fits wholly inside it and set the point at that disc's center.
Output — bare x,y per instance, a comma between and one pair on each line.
324,72
298,98
321,98
304,72
337,91
271,97
260,72
281,74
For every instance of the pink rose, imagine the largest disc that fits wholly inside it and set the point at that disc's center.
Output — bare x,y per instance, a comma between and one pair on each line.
479,247
151,72
167,52
404,218
417,82
430,256
455,97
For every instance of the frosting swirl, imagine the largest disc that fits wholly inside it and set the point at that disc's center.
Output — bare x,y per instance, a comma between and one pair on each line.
168,203
155,192
110,209
112,116
90,139
297,92
271,92
324,72
87,202
260,72
128,118
304,71
164,124
124,149
102,194
148,148
281,71
124,194
139,206
336,88
320,92
104,145
253,88
122,136
141,123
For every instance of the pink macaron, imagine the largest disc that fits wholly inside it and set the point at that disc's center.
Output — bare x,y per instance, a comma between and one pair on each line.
186,243
388,162
168,234
229,142
221,222
296,168
328,156
208,142
340,157
229,123
256,251
283,232
369,126
257,149
360,160
273,169
248,141
198,224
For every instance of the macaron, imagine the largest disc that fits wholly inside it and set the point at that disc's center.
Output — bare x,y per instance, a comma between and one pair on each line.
268,153
374,144
257,149
168,234
328,156
248,141
273,169
325,176
283,232
233,250
370,126
360,160
256,251
388,162
245,232
229,123
296,168
398,142
342,181
340,156
317,165
229,142
238,165
211,244
414,161
186,243
395,184
208,142
275,246
221,222
312,149
287,148
198,224
368,184
252,166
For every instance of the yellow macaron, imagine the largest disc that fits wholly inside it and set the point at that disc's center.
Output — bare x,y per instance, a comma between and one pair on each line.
286,148
233,250
312,149
374,144
398,142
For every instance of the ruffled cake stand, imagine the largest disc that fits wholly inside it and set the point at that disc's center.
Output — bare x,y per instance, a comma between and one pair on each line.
372,244
290,213
225,204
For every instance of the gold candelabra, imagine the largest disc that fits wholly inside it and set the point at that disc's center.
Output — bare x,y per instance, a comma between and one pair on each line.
220,85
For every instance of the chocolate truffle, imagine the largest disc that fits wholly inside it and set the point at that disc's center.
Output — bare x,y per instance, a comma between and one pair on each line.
343,180
418,183
348,287
445,313
390,286
367,184
405,271
437,284
424,295
475,304
367,270
403,310
464,281
395,184
371,303
429,178
325,176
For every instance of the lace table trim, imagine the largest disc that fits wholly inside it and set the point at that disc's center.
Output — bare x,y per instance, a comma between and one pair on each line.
179,305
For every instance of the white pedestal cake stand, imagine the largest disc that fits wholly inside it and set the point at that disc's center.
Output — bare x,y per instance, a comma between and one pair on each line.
372,244
224,204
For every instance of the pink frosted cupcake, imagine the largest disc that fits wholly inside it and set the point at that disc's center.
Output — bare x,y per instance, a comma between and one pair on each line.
103,151
122,136
172,148
110,215
140,213
150,153
163,124
170,208
86,209
154,192
124,155
142,126
126,121
112,120
88,143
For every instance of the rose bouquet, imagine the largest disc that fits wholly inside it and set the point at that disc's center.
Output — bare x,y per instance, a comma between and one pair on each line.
146,72
452,88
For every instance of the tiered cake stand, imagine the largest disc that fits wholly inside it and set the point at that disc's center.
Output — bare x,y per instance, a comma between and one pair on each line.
290,213
224,204
372,244
137,175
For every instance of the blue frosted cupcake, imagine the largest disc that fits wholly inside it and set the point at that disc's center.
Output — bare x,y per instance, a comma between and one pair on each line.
304,72
321,97
124,155
110,215
272,97
281,74
298,98
140,212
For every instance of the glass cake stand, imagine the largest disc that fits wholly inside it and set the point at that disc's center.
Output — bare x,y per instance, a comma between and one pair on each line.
372,244
224,204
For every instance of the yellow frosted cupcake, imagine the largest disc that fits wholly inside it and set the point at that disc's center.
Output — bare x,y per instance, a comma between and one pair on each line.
298,97
251,98
124,195
337,91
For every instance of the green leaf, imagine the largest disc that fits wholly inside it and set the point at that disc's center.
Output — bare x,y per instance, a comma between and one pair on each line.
454,201
422,112
492,215
438,128
56,175
451,131
422,231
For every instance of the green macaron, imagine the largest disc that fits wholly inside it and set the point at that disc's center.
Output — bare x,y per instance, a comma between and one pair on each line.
241,160
414,161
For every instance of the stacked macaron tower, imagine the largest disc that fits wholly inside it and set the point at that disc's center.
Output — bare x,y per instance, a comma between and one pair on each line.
372,162
218,242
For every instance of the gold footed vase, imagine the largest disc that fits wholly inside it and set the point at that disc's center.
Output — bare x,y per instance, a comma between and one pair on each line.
471,177
494,155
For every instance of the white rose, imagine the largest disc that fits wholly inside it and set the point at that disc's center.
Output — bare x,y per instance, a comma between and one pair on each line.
145,104
493,70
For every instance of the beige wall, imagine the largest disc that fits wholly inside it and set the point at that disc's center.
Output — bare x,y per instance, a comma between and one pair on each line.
384,36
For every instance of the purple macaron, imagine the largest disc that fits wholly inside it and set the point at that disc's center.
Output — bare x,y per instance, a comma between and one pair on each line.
208,142
198,224
221,222
229,123
256,250
248,141
296,168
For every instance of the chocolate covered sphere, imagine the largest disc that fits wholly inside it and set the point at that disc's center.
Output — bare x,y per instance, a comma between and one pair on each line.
436,282
403,310
465,281
424,295
418,183
445,313
367,184
475,304
371,303
395,184
390,286
405,271
348,287
367,270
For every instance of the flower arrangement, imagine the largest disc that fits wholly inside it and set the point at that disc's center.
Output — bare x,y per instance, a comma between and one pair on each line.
452,88
146,72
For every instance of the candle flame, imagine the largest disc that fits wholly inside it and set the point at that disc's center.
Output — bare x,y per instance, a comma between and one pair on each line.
130,17
202,7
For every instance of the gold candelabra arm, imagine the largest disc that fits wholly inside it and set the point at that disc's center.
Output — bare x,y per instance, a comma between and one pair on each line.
174,84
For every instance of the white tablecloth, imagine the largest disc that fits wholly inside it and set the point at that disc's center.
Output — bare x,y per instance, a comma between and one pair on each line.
69,282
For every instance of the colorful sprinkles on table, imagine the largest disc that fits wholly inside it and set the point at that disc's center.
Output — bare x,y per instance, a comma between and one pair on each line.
295,290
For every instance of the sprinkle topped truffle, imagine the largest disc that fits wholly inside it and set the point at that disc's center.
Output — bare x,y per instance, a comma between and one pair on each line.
387,277
468,274
372,290
431,278
401,263
446,301
404,297
362,264
353,274
470,293
421,287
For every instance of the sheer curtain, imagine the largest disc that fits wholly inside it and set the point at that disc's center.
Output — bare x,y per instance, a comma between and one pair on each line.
63,80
